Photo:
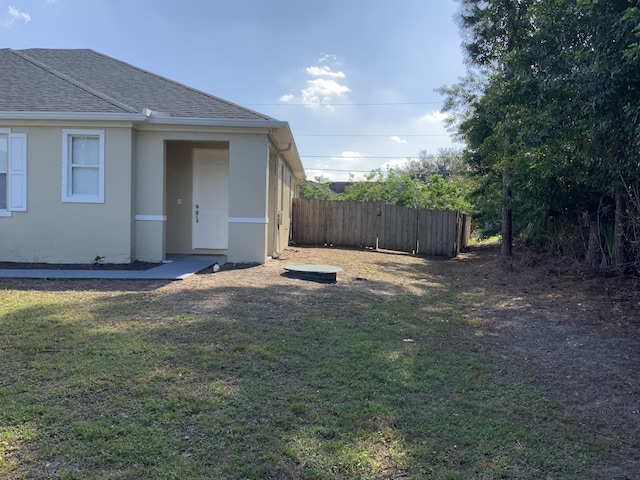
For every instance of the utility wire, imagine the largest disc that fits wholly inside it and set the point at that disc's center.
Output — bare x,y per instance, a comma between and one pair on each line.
340,157
441,172
364,135
337,104
338,170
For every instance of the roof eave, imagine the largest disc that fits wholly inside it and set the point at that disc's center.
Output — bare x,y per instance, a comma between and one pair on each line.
74,116
145,116
280,131
154,118
286,145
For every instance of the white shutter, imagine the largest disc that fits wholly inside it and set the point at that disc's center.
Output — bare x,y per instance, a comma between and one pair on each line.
17,173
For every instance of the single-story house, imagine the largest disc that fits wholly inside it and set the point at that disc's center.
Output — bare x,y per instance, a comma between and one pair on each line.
99,158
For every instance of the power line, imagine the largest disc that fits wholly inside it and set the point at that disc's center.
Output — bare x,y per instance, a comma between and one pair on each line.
340,157
336,104
441,172
365,135
339,170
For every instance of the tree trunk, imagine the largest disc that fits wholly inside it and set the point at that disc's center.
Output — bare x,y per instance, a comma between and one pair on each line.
618,234
594,247
507,224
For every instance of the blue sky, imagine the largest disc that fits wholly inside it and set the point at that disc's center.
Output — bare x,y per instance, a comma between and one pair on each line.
355,79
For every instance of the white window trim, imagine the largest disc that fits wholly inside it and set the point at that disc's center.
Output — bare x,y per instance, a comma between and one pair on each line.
16,173
67,196
152,218
259,220
6,212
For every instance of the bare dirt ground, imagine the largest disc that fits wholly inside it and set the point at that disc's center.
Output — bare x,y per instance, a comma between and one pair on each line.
580,337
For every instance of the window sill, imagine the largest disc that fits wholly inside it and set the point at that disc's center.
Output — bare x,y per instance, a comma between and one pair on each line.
5,213
82,200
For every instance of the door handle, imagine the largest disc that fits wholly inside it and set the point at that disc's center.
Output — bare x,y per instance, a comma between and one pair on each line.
197,212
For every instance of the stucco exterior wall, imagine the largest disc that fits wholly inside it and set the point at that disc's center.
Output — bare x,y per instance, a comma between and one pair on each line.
248,213
147,167
132,210
286,193
179,200
150,216
248,168
56,232
273,206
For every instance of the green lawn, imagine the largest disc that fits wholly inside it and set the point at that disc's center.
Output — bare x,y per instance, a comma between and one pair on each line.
361,379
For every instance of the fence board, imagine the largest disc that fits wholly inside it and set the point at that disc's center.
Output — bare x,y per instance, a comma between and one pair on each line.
356,224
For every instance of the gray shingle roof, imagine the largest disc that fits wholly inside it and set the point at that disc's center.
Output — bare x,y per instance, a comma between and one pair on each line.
85,81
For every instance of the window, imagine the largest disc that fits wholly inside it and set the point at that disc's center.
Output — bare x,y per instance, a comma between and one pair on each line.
4,157
83,166
13,172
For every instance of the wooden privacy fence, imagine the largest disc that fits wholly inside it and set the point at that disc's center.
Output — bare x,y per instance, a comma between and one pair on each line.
357,224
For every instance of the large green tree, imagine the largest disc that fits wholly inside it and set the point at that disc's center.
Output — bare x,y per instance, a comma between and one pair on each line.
549,112
495,32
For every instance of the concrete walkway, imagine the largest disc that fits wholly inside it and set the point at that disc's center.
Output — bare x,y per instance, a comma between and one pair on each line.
172,270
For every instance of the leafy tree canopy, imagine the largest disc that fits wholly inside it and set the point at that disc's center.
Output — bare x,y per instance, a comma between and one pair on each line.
551,105
316,190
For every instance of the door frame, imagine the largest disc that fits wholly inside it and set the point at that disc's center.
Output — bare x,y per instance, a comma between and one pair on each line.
219,211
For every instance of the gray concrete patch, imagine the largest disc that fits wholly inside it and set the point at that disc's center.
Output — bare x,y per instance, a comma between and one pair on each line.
172,270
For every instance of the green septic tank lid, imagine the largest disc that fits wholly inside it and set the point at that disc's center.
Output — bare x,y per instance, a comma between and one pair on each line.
318,273
310,268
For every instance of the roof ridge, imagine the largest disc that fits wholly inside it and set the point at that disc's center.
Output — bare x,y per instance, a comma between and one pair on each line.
72,81
201,92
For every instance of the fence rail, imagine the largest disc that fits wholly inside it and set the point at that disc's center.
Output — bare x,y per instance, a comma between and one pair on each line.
377,225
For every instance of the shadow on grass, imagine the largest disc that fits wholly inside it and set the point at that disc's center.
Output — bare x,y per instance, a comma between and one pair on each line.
348,380
81,285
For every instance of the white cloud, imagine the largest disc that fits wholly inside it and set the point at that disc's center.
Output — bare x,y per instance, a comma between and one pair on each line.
18,15
333,176
395,163
13,15
348,154
398,140
313,174
322,91
355,176
325,57
326,86
433,117
340,168
324,71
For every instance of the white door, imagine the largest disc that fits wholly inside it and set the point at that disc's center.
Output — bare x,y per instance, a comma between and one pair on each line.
210,199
